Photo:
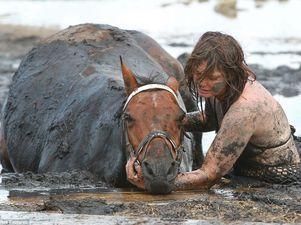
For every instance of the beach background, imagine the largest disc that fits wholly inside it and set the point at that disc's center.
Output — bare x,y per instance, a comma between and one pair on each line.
268,30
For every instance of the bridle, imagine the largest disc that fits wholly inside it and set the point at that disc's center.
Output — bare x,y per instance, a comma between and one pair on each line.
154,134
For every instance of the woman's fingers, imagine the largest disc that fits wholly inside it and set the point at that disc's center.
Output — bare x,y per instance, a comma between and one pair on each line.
138,169
134,173
130,171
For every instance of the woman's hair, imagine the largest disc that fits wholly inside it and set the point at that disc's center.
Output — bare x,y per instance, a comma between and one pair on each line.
221,52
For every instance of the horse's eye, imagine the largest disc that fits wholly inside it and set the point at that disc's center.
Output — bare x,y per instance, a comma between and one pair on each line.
127,117
181,117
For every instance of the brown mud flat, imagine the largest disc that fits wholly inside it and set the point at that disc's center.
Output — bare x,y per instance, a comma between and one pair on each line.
79,197
235,199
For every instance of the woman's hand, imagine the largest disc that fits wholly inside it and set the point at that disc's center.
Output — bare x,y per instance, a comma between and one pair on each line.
134,173
197,179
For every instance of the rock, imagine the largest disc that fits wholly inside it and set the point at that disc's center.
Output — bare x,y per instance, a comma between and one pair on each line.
226,8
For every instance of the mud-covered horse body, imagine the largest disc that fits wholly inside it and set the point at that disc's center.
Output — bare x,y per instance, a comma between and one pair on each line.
65,102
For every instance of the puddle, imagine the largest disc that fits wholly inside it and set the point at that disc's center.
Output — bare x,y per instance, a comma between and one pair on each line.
110,195
35,198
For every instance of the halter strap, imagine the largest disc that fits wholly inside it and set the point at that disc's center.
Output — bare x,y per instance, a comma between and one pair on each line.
150,87
178,150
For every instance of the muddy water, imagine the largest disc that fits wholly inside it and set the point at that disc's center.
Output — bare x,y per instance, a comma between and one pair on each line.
233,200
89,205
110,196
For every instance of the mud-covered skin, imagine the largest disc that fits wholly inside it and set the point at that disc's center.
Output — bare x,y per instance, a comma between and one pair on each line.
195,121
255,118
64,105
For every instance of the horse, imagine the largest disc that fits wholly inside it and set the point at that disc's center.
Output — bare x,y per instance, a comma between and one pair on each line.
65,108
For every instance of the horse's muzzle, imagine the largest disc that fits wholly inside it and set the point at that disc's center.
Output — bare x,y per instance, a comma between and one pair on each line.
159,177
158,186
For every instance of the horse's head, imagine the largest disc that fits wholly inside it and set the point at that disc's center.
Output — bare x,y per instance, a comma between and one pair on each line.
152,118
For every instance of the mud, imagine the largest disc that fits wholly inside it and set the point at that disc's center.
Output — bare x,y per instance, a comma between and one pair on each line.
234,199
59,197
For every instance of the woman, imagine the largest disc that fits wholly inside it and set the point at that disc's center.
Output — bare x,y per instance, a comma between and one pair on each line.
253,136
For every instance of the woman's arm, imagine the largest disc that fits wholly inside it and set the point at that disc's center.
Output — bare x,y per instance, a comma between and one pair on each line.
235,132
198,121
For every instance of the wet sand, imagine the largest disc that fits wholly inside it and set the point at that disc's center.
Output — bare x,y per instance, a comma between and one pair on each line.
78,197
232,200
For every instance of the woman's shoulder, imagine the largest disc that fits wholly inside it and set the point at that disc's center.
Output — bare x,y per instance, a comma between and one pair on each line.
255,94
254,102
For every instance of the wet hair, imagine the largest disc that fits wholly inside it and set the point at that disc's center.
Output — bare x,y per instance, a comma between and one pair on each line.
221,52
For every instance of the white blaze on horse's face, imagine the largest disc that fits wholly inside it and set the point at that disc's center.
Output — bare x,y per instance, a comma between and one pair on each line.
152,123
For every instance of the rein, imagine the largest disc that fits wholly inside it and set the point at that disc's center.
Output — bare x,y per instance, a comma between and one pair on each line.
154,134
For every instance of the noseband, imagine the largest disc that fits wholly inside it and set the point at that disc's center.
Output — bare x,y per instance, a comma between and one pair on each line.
154,134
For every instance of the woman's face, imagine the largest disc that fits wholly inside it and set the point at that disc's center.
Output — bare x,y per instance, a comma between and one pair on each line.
213,84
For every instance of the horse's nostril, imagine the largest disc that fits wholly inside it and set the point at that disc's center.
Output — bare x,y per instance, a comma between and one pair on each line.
148,168
171,169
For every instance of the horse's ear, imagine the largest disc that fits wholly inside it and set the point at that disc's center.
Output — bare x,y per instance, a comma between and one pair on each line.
173,84
129,79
